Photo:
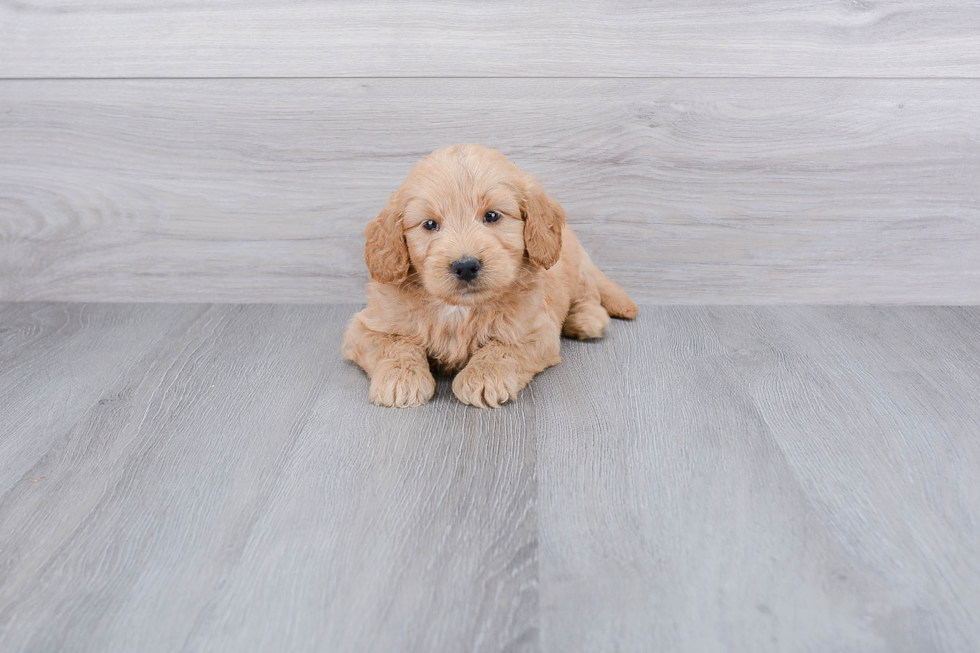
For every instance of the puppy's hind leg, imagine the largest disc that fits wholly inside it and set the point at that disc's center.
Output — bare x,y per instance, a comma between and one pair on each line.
586,320
614,299
600,298
606,291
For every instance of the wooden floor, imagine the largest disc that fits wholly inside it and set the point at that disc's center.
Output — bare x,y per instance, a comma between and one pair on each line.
206,478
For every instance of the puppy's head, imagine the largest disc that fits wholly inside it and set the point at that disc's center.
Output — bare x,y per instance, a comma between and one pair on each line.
469,223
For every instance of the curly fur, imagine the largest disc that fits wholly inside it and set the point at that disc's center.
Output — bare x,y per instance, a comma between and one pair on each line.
497,332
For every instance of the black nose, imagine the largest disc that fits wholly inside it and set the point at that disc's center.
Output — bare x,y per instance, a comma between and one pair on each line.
466,269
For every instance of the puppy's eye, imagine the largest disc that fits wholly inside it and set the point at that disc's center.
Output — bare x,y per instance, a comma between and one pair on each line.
491,216
430,225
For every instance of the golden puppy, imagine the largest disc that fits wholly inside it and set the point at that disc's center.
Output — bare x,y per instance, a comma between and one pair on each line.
474,269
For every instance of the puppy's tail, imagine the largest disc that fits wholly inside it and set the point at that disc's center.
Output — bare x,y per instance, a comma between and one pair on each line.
613,298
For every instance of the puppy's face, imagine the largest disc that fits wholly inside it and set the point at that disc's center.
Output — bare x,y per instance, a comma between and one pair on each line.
468,222
463,227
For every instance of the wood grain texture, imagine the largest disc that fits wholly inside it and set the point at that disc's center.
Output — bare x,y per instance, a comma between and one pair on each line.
764,479
713,191
70,352
704,479
710,38
216,491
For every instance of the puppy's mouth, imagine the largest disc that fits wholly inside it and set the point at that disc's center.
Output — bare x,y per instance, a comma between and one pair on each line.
472,292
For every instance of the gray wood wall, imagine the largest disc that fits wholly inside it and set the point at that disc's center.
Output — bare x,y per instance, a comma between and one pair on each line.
706,152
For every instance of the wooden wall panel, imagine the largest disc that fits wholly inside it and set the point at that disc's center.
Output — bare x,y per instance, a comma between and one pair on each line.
713,191
514,38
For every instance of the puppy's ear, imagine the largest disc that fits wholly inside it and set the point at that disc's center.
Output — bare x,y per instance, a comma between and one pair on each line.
385,250
543,222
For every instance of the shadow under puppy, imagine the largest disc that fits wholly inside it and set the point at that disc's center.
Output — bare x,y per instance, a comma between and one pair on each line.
474,270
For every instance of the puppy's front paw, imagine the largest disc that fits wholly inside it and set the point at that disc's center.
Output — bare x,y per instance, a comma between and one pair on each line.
402,386
486,386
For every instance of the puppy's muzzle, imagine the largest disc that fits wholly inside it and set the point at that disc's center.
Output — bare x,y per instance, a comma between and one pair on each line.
466,269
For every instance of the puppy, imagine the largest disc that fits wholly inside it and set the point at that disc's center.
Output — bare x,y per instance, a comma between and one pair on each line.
474,270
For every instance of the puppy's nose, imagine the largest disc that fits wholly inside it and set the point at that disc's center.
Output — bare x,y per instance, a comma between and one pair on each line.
466,269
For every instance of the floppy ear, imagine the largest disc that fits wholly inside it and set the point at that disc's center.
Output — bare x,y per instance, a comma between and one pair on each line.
385,250
543,222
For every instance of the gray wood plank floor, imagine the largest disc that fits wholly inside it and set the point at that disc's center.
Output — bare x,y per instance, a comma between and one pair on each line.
194,477
684,191
557,38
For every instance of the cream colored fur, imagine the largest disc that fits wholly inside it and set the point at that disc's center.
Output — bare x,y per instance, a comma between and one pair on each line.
497,332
